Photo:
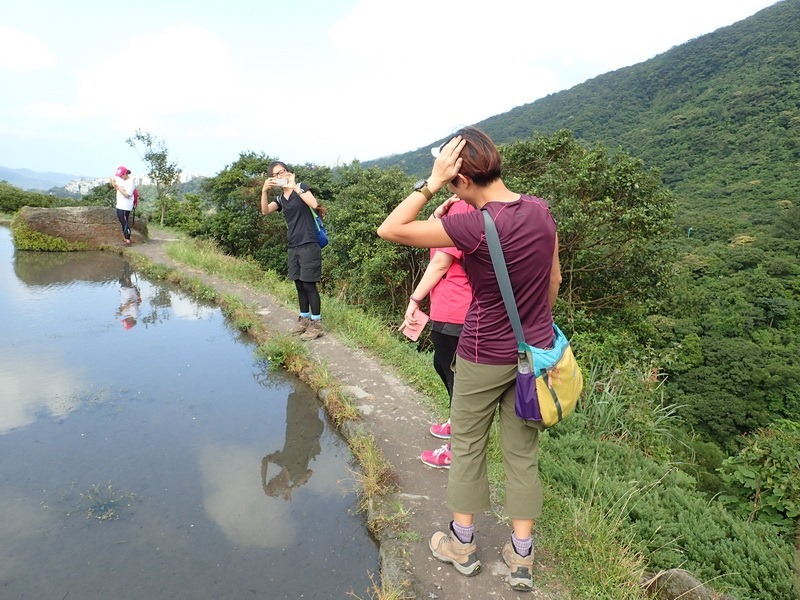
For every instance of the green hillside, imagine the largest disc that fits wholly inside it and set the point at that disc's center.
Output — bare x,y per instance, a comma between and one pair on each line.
718,116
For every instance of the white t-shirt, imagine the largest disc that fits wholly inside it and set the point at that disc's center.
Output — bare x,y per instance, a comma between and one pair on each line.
129,302
127,185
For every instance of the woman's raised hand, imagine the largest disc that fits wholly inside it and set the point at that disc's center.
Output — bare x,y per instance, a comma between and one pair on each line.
447,164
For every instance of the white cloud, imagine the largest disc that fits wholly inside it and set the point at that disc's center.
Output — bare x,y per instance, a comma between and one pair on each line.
177,70
22,52
378,79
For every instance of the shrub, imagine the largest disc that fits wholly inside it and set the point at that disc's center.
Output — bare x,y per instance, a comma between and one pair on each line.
673,524
763,479
26,238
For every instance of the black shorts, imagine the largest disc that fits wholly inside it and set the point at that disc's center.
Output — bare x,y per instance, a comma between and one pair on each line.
305,263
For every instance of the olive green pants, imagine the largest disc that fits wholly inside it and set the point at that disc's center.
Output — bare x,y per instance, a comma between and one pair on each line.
477,392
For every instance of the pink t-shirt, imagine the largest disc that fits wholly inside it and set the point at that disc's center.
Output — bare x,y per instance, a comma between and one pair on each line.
527,235
451,297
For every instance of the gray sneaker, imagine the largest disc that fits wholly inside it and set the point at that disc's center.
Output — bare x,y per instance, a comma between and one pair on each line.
313,331
520,576
302,325
446,547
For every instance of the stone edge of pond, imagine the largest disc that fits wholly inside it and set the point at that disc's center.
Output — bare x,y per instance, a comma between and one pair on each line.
393,552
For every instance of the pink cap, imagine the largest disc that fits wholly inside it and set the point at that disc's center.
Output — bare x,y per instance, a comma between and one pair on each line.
122,171
128,322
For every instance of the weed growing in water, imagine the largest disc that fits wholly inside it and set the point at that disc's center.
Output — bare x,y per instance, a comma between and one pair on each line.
99,501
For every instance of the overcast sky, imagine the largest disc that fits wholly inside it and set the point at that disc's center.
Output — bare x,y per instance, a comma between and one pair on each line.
309,81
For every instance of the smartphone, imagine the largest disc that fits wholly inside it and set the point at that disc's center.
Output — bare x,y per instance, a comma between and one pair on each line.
282,181
412,333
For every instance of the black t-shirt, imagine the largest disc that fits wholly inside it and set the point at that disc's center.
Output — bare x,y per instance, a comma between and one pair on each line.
299,218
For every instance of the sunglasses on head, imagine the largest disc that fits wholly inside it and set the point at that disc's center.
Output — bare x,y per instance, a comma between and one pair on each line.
437,150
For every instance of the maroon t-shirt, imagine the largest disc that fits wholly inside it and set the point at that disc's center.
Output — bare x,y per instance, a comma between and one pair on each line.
527,235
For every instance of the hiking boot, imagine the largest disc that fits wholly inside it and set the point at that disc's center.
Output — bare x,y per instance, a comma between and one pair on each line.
520,576
446,547
302,325
438,459
441,431
313,331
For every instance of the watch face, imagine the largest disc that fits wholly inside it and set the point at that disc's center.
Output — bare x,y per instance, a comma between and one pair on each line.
420,184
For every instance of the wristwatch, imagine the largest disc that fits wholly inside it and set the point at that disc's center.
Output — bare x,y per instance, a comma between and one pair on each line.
422,186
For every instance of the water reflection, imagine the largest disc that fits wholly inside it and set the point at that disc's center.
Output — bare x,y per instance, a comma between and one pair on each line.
300,446
53,268
129,298
177,412
26,391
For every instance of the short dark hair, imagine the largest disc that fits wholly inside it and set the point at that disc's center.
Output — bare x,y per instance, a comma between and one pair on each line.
274,164
480,159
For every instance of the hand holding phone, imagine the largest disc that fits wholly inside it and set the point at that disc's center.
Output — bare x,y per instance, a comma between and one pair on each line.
412,330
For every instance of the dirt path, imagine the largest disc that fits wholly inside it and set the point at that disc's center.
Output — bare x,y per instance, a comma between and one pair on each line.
395,415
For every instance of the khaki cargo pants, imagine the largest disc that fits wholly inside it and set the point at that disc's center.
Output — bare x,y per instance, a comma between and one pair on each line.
477,392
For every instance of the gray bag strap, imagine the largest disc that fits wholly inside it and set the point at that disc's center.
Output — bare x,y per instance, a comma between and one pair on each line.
501,272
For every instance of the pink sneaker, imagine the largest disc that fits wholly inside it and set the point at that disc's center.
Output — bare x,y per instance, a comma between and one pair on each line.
441,431
438,459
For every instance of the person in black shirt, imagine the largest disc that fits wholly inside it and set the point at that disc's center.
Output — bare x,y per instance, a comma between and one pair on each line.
297,204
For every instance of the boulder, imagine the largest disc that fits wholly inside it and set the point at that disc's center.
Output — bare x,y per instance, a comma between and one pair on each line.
93,227
678,583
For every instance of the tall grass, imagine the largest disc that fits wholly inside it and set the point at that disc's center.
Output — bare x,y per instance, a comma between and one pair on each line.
626,404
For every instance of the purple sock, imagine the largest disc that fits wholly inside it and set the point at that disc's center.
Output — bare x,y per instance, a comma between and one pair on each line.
522,547
463,532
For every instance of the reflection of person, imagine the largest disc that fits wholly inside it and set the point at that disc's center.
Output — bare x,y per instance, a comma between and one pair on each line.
129,299
304,255
124,185
300,445
444,279
486,361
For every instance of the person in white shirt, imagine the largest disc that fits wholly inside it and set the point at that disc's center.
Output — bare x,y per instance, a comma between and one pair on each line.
129,299
124,185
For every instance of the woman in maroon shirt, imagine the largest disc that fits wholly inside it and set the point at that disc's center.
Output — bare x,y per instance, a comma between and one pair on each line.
486,362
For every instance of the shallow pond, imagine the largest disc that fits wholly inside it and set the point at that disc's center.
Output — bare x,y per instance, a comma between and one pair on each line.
145,452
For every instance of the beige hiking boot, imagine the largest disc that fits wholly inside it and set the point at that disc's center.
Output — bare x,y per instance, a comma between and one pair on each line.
520,576
302,325
313,331
446,547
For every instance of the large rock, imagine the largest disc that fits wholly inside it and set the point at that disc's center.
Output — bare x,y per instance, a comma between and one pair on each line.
674,584
95,226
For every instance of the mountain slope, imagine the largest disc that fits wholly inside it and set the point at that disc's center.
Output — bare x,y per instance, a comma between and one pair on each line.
33,180
718,115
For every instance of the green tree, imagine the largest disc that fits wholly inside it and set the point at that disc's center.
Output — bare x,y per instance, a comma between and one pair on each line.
358,265
13,198
613,220
161,171
101,195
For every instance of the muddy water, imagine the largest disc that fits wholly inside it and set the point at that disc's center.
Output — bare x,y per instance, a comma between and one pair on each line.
145,452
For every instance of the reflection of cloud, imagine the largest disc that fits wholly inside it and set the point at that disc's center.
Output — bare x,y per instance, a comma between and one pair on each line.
186,308
22,520
30,383
235,501
328,479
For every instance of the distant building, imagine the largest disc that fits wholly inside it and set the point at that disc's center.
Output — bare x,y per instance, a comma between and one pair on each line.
82,186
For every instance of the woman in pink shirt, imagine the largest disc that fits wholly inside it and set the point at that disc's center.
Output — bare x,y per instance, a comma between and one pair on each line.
450,293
